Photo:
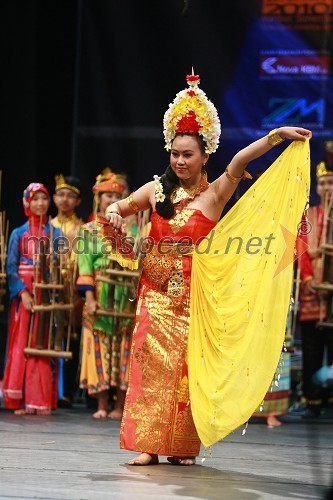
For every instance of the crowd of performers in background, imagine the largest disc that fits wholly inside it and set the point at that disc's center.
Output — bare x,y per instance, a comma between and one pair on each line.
68,290
90,299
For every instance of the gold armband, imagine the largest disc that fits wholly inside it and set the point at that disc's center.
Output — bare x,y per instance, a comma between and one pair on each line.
274,138
132,204
308,278
236,180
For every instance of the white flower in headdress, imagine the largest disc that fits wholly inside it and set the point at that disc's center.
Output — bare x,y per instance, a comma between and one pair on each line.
159,195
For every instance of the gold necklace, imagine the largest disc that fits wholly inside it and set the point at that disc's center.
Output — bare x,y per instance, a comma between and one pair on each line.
183,196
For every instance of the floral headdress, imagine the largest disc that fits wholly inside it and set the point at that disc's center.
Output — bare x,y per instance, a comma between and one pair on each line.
192,112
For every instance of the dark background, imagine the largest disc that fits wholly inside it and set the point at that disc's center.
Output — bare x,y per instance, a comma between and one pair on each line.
38,67
85,85
131,59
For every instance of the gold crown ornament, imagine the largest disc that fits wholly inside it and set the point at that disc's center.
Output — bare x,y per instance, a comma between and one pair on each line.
60,183
192,112
326,168
322,169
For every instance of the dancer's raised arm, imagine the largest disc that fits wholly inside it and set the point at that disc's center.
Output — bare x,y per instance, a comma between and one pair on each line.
226,184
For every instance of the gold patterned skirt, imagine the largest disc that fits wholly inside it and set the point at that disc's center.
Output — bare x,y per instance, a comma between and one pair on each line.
157,417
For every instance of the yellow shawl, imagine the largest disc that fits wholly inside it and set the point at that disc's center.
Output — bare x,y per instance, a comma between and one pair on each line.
240,293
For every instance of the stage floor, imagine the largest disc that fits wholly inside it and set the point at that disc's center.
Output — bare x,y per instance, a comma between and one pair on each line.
71,456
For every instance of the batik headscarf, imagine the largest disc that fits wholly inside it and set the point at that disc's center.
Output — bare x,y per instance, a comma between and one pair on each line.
28,194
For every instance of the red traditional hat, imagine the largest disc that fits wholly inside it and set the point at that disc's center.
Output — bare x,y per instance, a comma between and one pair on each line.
110,182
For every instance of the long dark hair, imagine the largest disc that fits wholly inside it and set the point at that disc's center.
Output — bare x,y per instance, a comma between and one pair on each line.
169,181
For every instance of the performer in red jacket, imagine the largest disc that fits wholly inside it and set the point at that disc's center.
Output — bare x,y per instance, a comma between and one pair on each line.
314,303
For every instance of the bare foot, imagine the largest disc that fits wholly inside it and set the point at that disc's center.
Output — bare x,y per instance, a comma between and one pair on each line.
116,414
181,461
272,421
144,459
21,411
100,414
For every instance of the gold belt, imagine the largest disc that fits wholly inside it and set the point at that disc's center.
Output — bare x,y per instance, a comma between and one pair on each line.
163,259
177,249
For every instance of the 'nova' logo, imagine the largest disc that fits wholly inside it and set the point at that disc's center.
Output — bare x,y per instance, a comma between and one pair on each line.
295,65
296,109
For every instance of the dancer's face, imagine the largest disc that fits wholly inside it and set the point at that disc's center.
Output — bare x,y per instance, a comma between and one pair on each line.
187,158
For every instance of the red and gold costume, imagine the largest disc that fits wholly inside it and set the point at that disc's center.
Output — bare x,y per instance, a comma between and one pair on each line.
210,324
211,316
311,267
157,415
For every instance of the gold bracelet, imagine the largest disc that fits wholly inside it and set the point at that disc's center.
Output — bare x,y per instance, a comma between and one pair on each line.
274,138
236,180
118,211
115,211
132,203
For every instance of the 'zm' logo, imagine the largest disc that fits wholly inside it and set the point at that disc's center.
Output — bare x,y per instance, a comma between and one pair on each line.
295,109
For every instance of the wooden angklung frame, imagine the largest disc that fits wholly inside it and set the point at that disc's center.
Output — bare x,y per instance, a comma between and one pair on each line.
115,275
53,290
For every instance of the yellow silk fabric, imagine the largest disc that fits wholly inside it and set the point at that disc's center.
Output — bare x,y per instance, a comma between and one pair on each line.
240,297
